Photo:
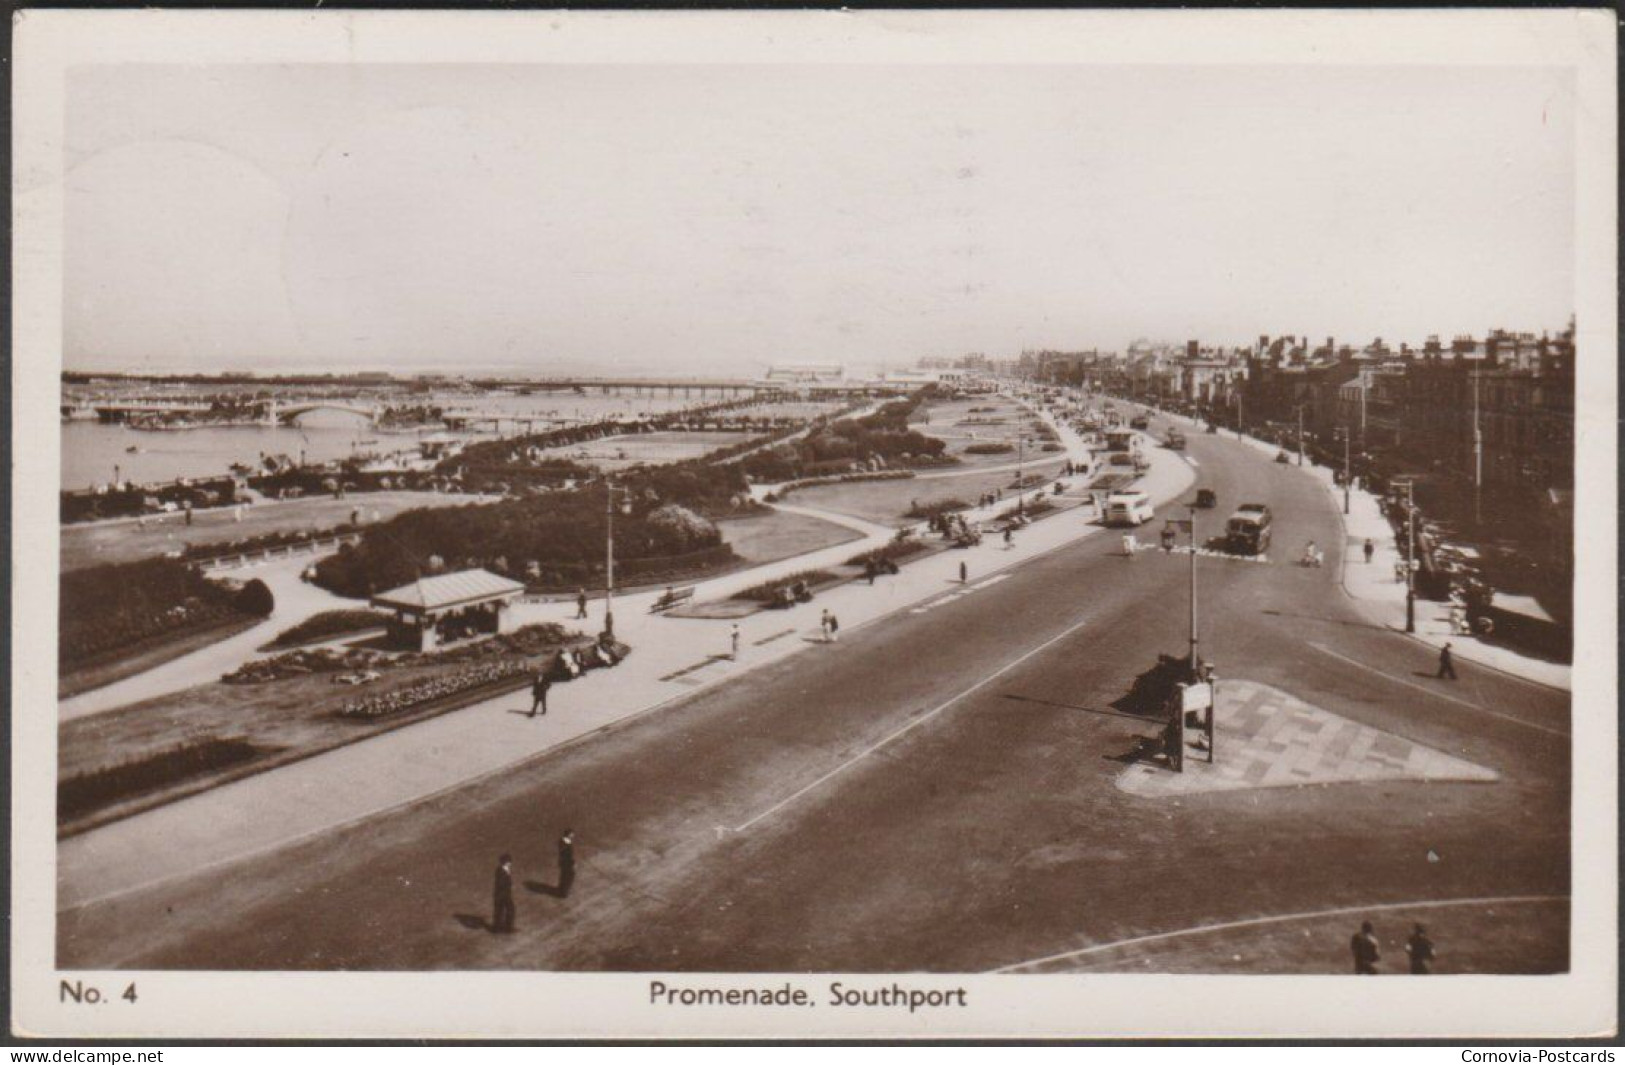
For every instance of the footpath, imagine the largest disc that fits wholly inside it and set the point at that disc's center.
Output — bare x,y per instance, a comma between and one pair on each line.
1380,594
672,659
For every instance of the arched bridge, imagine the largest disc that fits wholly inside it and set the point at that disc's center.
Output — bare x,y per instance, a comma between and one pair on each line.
288,413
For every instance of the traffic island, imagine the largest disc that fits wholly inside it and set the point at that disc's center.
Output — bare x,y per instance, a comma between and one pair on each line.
1266,738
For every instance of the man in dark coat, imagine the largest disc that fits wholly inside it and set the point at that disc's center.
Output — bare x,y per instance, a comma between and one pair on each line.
567,862
1420,948
538,692
1447,668
1364,948
502,901
581,603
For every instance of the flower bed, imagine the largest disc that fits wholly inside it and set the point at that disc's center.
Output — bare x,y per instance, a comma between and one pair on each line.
464,680
935,510
770,591
895,551
990,448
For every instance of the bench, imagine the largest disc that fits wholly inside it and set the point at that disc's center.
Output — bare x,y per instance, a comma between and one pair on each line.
670,599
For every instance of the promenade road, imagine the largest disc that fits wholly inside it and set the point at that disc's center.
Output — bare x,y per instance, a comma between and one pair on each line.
937,791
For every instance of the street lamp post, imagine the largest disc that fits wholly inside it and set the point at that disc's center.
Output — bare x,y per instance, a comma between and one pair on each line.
1347,467
1410,558
609,557
1021,486
1300,434
1191,507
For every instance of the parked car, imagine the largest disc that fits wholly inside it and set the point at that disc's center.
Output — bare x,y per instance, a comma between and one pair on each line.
1205,497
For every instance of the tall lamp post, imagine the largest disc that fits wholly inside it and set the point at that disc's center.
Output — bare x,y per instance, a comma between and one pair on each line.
1410,558
1021,484
1300,434
1347,471
609,556
1191,507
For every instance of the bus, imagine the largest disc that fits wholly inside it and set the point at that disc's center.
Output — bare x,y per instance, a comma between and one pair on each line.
1248,530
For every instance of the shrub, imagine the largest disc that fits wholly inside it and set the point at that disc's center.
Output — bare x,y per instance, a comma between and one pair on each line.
255,598
990,448
330,623
108,608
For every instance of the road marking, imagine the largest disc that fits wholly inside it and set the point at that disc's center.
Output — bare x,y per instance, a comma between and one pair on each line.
1341,911
1439,694
922,719
959,593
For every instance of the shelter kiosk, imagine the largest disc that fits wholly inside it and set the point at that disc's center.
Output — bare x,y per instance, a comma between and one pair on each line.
434,611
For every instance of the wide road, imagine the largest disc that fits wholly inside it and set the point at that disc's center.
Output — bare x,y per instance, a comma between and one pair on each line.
937,791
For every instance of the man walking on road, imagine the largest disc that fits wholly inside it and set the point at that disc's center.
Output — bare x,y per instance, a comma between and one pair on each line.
823,625
1364,947
1420,948
1447,668
581,603
502,911
733,641
1370,549
567,862
538,692
964,574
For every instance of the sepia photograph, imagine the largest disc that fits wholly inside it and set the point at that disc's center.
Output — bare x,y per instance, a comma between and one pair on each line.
814,524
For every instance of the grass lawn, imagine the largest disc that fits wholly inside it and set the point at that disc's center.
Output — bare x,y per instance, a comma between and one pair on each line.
886,501
147,654
619,452
285,719
769,537
126,541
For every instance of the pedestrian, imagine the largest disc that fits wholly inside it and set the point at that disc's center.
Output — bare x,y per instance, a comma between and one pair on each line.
581,603
823,625
1168,539
834,628
567,862
1364,947
355,515
869,570
189,514
1370,549
733,640
1447,668
964,573
1420,948
1129,544
1009,539
502,912
538,692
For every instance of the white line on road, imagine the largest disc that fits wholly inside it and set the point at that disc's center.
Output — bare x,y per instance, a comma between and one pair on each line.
1439,694
922,719
1342,911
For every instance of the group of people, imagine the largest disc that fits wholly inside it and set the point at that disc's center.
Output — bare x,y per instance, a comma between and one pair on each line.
875,567
1367,953
503,910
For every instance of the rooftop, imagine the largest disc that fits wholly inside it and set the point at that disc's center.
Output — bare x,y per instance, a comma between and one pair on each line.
449,590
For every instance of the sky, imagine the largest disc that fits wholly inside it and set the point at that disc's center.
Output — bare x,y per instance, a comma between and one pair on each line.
719,219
